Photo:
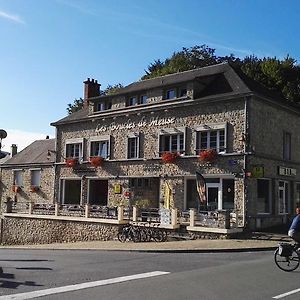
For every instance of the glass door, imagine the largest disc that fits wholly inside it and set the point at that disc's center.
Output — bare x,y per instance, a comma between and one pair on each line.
213,195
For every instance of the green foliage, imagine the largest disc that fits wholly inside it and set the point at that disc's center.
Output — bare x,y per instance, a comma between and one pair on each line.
282,76
78,103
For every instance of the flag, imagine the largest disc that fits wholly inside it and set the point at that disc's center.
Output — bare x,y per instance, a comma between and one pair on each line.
201,187
168,195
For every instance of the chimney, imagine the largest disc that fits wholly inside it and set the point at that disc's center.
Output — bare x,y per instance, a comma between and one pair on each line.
91,89
14,150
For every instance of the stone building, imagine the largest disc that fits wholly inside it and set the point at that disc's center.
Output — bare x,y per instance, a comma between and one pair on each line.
28,176
144,144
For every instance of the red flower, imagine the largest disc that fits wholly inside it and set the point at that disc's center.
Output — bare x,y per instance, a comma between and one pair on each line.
96,161
15,188
71,162
34,188
208,155
169,157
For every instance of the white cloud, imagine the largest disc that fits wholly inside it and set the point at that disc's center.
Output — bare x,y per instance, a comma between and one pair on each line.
10,17
21,138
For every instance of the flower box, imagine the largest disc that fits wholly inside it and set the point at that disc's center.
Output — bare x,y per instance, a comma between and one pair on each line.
208,155
169,157
96,161
71,162
34,188
16,188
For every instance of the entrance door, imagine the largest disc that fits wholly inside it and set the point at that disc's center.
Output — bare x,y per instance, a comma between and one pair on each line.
98,192
212,196
283,197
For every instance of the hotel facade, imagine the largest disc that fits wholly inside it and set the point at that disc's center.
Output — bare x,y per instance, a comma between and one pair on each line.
144,145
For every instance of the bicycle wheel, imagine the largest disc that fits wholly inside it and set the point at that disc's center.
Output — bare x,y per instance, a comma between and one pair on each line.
135,235
289,263
158,235
122,237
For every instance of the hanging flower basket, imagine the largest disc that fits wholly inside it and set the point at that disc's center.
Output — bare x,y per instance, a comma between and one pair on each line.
96,161
71,162
169,157
34,188
208,155
16,188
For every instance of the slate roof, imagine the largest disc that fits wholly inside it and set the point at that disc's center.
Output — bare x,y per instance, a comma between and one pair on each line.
210,77
35,153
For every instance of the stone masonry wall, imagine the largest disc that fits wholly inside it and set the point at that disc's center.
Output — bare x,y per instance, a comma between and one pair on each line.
45,193
22,231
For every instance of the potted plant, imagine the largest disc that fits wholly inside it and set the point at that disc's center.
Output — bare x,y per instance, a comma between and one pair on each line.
169,157
34,188
16,188
71,162
208,155
96,161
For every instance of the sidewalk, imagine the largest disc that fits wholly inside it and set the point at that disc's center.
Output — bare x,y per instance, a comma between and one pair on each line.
258,242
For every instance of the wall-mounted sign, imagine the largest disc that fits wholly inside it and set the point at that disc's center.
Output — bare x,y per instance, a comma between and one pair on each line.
258,171
284,171
152,167
144,122
232,162
117,188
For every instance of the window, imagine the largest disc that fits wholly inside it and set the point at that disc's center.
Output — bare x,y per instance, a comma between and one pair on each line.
171,143
139,183
283,197
133,147
263,204
104,106
71,192
132,101
73,150
18,177
297,194
210,138
100,148
143,99
171,94
287,143
35,177
182,92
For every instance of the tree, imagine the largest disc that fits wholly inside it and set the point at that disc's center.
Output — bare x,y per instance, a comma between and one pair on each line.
282,76
78,103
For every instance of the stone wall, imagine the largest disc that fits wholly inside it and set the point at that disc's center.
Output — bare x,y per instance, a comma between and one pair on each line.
44,194
26,230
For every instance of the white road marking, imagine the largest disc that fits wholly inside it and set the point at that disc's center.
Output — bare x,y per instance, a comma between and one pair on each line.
80,286
287,294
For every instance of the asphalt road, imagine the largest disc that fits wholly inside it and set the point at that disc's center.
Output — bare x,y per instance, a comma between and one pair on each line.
104,275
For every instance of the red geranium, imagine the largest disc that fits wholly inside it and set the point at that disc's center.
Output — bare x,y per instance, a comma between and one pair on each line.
96,161
71,162
208,155
169,157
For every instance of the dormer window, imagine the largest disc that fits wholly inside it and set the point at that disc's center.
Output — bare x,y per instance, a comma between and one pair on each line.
105,105
143,99
171,94
132,101
182,92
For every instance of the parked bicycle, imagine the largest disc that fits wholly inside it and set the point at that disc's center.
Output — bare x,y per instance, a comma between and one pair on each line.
130,233
287,256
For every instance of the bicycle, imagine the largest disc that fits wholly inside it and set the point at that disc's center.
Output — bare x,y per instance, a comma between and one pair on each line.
287,256
129,232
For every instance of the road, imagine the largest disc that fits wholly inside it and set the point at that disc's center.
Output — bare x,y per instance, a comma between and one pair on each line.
104,275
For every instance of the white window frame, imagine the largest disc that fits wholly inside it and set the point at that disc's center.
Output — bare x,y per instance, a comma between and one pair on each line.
285,201
73,142
270,196
135,136
18,177
177,131
208,128
104,138
33,180
62,184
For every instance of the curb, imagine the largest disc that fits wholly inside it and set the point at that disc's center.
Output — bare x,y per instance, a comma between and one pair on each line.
209,250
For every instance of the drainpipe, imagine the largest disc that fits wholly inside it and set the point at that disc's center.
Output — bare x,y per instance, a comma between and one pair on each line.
245,164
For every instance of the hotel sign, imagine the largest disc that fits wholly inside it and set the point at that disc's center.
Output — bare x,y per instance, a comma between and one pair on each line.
144,122
287,171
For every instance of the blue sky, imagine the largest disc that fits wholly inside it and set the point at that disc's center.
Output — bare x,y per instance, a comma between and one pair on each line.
49,47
